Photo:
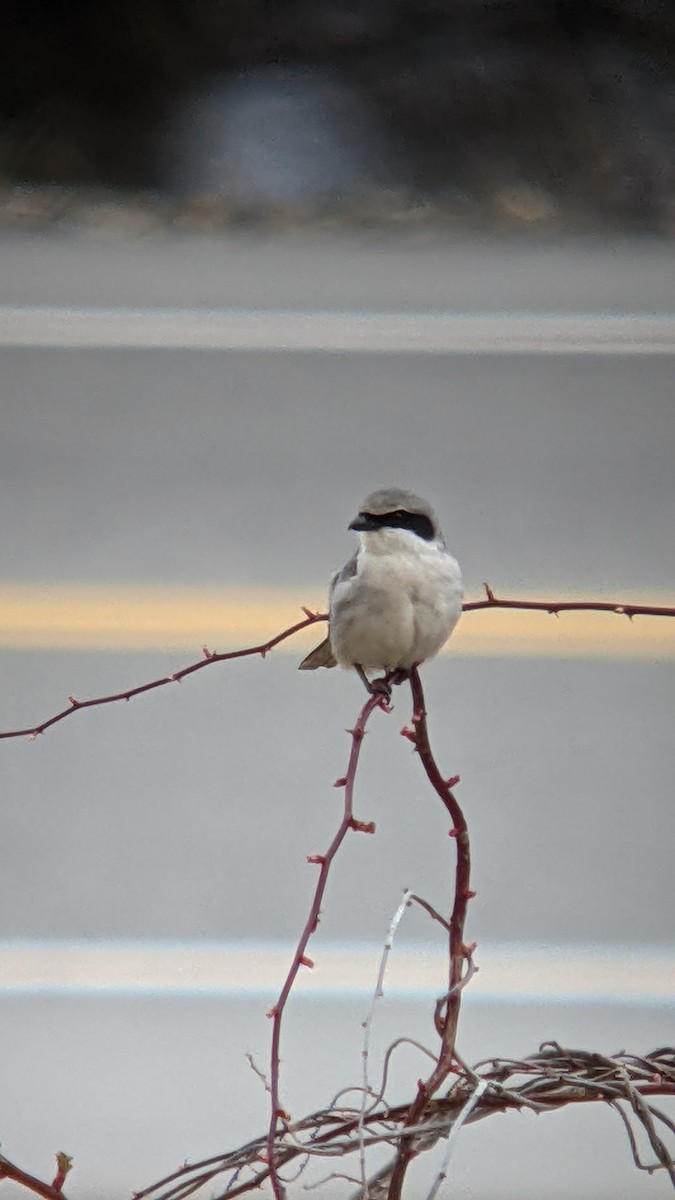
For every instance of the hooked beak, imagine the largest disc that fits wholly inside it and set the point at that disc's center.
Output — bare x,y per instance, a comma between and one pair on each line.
363,524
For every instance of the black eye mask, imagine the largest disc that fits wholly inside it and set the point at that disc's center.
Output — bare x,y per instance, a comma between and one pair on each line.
400,519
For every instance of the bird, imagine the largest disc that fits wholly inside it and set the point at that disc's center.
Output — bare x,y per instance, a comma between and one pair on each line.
398,599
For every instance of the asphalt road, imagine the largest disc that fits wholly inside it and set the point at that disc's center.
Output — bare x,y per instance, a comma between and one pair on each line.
189,813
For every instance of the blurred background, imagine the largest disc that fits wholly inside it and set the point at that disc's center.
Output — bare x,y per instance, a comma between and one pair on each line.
257,260
541,112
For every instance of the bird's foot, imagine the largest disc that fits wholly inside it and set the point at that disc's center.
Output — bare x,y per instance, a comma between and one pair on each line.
376,687
380,687
383,685
398,676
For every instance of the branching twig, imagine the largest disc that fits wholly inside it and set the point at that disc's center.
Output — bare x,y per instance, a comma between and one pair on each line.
50,1191
368,1024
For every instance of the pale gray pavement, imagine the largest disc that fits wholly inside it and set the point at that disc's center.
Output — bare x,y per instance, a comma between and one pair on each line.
189,812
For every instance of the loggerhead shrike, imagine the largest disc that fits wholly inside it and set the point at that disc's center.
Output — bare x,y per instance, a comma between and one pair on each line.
396,602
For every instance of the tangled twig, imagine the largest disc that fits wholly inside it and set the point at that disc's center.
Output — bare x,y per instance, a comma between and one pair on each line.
553,1078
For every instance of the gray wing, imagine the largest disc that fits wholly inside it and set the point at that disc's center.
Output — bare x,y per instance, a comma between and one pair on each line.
322,655
344,574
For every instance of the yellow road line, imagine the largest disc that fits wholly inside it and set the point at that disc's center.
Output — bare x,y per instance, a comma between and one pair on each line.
125,617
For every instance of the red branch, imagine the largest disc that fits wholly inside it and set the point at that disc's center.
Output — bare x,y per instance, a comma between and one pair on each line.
324,861
557,606
207,660
447,1012
492,601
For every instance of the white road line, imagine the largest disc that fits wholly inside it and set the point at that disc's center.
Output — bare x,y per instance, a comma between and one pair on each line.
402,332
509,973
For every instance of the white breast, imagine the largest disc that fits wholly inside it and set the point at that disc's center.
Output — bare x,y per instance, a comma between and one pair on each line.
400,606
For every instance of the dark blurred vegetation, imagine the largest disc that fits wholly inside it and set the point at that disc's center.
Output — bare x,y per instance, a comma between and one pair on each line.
572,99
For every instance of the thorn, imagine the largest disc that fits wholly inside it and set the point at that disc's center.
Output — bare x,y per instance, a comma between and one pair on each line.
417,718
305,961
207,653
489,593
453,833
468,894
63,1164
272,1013
452,781
357,733
362,826
75,703
311,616
282,1115
32,737
408,733
173,679
341,782
319,859
468,950
263,652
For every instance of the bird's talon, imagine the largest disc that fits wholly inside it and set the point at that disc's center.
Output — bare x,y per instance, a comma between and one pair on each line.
380,687
398,676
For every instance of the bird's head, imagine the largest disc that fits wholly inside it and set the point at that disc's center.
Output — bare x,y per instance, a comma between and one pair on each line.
395,509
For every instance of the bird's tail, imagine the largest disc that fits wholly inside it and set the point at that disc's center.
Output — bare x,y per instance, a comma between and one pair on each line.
321,656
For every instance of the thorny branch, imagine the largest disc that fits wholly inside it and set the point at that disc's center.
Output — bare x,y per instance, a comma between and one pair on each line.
300,959
447,1009
207,659
553,607
311,618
